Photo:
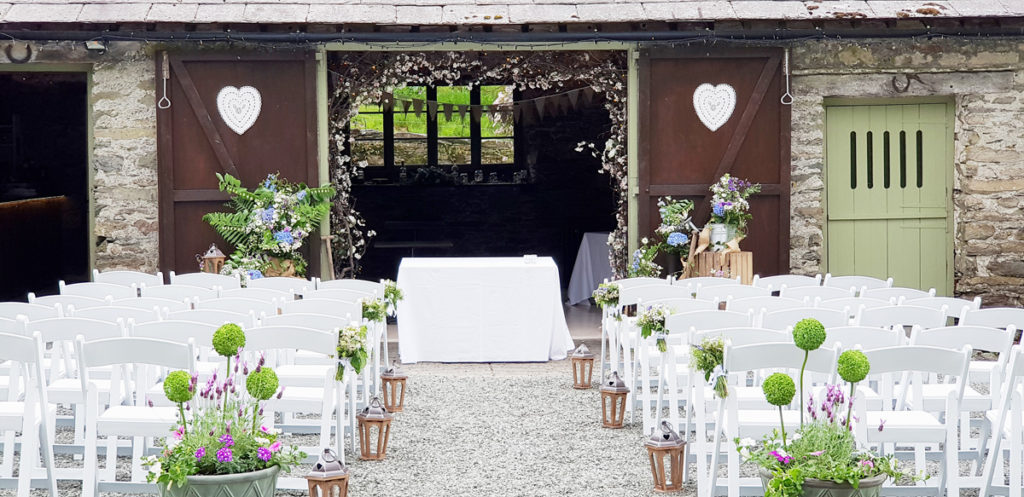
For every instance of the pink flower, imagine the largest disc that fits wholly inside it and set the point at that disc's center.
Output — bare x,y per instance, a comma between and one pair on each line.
818,453
276,446
869,463
179,432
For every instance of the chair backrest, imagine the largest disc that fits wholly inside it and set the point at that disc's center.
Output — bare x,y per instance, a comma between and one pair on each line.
150,303
641,281
632,295
743,336
114,314
919,358
338,308
375,287
264,294
897,293
903,315
683,304
132,350
707,320
738,358
181,292
292,285
995,317
706,281
215,317
857,282
787,318
721,293
27,353
66,329
775,283
128,278
852,305
11,310
64,301
12,326
175,331
98,290
815,292
763,303
954,337
321,322
266,338
863,337
205,280
240,305
346,294
954,307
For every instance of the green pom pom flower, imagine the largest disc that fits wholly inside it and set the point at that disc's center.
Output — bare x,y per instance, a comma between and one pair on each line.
177,387
228,339
809,334
262,384
853,366
779,389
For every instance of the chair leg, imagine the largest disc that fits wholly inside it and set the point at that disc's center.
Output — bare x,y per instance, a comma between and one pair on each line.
29,454
7,468
138,444
352,414
89,469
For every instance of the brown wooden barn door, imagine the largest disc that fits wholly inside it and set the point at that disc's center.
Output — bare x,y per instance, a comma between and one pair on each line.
195,141
680,156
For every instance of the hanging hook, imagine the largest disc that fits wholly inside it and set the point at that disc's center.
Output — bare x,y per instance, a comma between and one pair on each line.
165,74
18,60
787,98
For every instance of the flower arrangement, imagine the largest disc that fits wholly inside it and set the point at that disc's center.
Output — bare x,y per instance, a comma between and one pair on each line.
824,448
729,203
351,349
643,264
707,357
676,227
220,432
271,221
375,310
652,320
392,296
606,295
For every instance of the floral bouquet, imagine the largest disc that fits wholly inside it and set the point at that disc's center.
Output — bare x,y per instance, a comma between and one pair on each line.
643,264
823,449
606,295
729,203
269,224
392,296
652,320
220,432
375,310
351,349
676,227
707,358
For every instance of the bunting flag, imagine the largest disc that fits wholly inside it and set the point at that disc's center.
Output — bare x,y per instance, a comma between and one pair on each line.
540,103
463,109
476,111
447,109
517,111
574,97
546,105
431,109
588,95
386,102
417,106
405,105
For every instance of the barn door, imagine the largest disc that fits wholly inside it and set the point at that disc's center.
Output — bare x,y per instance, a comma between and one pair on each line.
195,142
681,156
888,170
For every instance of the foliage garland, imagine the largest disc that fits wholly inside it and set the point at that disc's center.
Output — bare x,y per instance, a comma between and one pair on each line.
361,78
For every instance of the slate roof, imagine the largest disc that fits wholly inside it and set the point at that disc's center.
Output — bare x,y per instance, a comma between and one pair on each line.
493,12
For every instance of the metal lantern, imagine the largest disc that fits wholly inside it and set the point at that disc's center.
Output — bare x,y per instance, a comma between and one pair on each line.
213,260
613,401
666,444
582,362
327,475
393,387
374,415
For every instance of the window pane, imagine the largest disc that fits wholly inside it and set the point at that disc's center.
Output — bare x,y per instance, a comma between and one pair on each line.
410,128
371,151
496,124
450,124
453,151
497,151
410,151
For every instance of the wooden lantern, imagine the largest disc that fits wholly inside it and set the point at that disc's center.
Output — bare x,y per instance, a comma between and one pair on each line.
374,415
392,383
665,445
213,260
327,475
613,401
582,362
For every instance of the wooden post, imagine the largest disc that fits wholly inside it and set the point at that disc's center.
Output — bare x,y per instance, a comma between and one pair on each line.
330,252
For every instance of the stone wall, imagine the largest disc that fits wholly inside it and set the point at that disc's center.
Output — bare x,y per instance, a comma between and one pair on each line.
985,80
124,173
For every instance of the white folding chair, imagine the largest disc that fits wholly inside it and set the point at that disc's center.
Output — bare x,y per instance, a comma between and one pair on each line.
757,305
179,331
776,283
645,293
241,306
995,317
684,304
954,307
319,322
11,310
787,318
98,290
180,292
163,306
901,315
863,337
1004,432
722,293
114,314
641,281
66,300
264,294
283,284
346,294
127,415
374,287
816,292
856,282
851,305
352,311
128,278
896,293
33,416
205,280
215,316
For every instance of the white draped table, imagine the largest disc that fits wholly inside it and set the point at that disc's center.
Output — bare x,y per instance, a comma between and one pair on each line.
592,267
494,309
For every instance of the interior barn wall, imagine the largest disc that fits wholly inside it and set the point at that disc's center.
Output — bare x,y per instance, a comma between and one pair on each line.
122,110
985,78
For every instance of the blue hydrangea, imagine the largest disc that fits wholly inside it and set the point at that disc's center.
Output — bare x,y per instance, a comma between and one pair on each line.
268,215
719,209
677,239
301,195
254,274
284,237
269,185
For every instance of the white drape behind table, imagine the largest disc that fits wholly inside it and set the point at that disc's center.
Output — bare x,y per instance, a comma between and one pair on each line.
592,267
499,309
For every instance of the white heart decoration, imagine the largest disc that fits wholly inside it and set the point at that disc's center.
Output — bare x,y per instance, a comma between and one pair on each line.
239,107
714,104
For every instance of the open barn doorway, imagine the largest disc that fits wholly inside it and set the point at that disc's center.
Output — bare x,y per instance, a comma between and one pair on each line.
44,177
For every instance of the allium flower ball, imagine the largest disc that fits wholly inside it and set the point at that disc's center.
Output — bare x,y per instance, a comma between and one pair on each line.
225,455
853,366
228,339
779,389
262,384
177,387
809,334
264,454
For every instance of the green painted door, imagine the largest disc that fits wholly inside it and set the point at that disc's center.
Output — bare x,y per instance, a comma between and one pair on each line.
889,169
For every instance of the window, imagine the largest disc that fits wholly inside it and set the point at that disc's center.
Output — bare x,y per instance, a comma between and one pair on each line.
464,129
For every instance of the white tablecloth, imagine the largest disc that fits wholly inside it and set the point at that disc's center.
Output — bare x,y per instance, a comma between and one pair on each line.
592,267
481,310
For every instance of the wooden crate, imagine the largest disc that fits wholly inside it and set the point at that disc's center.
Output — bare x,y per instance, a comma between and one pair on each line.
730,265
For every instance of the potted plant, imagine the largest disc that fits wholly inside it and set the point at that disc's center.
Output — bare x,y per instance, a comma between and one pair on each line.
675,228
219,446
730,209
643,264
822,458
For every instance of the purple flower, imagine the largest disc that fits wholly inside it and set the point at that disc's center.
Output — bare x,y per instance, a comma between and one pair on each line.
200,453
226,440
784,459
264,454
881,425
225,455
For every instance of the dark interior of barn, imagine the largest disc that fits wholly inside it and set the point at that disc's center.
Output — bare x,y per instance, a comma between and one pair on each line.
43,181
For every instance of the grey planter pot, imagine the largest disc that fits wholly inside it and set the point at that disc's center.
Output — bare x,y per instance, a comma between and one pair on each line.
262,483
869,487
